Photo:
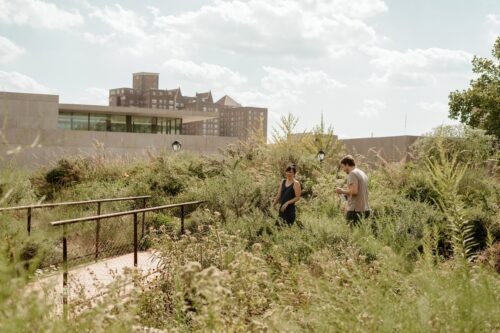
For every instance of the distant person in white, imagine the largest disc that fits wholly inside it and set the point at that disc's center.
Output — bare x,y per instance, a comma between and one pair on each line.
356,191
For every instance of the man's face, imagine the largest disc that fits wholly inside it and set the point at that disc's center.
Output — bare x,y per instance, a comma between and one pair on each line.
345,168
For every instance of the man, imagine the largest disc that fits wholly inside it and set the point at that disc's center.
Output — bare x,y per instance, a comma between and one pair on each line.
356,191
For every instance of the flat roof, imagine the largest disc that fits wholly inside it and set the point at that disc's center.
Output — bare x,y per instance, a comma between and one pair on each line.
187,116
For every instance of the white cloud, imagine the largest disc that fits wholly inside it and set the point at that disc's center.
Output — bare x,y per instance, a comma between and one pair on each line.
493,19
132,33
494,26
39,14
306,28
296,82
416,67
284,91
17,82
208,74
98,39
434,107
355,9
93,96
372,108
121,20
8,50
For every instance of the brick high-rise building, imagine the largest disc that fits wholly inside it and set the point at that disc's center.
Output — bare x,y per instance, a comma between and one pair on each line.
241,121
234,120
205,103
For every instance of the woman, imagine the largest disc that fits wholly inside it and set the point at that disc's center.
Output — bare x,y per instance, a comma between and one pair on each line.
288,194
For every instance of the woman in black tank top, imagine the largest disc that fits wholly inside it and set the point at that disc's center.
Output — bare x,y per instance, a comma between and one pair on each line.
288,194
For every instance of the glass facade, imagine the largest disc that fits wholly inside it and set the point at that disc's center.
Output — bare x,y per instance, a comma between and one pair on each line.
118,123
97,122
142,124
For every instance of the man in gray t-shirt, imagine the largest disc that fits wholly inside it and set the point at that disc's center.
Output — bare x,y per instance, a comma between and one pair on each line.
356,191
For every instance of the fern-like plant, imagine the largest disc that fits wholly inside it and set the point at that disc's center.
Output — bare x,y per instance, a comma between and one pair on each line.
446,174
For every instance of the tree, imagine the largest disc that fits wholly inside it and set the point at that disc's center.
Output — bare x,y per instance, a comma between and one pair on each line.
479,105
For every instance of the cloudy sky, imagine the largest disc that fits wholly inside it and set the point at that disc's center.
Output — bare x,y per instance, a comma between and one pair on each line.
367,65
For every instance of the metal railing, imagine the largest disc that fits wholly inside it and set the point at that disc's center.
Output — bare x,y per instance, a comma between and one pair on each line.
66,223
30,208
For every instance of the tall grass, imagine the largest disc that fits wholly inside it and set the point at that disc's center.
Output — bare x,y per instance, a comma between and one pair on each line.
403,270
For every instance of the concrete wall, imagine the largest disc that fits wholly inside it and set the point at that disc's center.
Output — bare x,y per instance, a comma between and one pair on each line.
40,147
390,148
30,137
30,111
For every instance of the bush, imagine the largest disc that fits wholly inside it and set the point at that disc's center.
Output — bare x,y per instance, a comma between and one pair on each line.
471,145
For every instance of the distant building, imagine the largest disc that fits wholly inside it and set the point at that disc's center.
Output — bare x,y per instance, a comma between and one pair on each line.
241,121
233,120
380,149
36,129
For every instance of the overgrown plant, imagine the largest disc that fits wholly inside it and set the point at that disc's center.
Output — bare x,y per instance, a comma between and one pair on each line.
446,175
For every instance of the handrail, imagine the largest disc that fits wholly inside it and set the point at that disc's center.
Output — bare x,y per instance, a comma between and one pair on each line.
97,219
30,208
73,203
129,212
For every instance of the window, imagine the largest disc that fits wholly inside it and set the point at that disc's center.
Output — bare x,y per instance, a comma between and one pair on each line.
64,120
116,123
142,124
97,122
80,121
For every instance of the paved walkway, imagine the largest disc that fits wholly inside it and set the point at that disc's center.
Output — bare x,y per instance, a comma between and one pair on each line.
88,282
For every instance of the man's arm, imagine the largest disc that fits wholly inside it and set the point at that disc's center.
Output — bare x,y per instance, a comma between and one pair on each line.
352,187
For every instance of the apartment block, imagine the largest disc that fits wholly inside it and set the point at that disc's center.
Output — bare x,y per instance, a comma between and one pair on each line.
233,119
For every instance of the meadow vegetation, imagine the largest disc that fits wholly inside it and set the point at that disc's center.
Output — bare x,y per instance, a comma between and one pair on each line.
427,261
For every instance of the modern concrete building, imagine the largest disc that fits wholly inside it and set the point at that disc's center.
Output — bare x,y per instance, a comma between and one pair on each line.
37,129
388,148
233,120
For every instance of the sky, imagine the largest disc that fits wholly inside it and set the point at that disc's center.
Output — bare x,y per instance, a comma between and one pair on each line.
370,67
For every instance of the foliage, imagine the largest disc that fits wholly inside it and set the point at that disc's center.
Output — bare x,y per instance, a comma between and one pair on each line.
236,271
479,105
465,143
446,177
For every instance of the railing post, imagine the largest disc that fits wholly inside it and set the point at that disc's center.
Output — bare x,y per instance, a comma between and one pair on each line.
65,273
29,221
143,216
97,230
182,219
135,240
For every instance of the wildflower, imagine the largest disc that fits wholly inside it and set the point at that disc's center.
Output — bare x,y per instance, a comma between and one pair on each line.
256,247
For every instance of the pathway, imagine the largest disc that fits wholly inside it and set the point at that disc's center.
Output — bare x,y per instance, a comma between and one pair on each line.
87,282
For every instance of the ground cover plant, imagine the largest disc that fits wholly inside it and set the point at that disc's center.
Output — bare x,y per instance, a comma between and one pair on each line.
428,260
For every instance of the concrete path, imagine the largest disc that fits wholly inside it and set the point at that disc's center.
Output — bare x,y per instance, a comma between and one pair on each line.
86,283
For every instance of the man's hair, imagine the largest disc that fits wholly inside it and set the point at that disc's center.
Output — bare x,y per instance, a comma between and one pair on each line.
348,160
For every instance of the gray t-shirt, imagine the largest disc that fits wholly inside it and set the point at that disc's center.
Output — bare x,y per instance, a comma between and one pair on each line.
358,202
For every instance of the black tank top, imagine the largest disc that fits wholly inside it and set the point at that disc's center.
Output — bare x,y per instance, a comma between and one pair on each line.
287,193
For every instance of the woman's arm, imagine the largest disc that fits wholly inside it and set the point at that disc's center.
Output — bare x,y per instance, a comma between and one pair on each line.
298,191
278,194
